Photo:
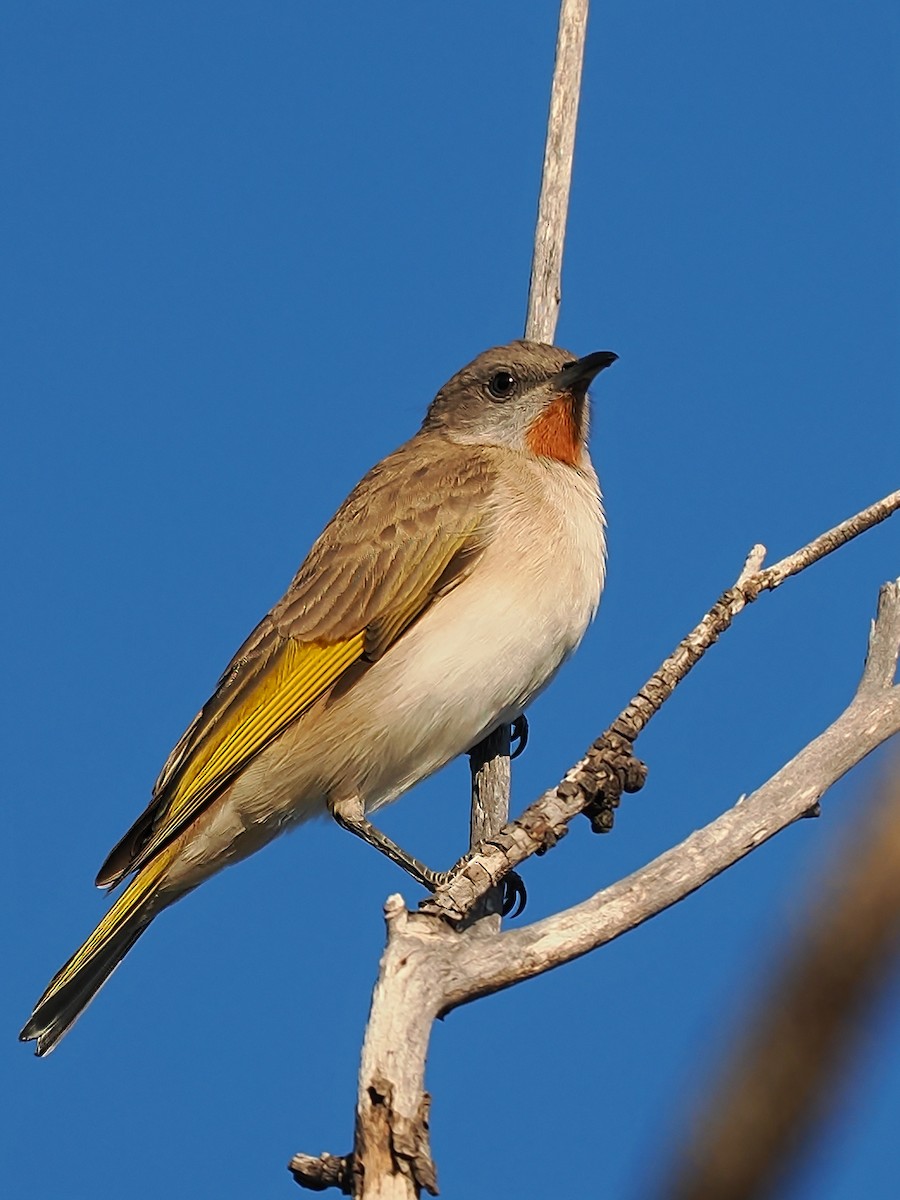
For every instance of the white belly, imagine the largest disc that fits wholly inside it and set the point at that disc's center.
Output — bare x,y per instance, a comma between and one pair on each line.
482,653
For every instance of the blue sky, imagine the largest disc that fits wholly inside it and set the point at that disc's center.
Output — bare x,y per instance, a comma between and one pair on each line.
244,245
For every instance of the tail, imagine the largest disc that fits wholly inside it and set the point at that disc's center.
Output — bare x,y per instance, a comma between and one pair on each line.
74,986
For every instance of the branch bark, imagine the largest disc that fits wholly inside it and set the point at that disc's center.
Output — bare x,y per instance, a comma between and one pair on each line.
432,963
545,289
872,717
431,966
595,784
490,759
491,781
388,1115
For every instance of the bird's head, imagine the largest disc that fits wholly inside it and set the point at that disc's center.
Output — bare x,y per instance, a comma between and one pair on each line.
526,396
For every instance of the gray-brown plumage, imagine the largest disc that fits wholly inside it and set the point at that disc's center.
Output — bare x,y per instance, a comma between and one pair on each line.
440,599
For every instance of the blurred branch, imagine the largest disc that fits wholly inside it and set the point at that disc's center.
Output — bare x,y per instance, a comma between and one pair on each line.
783,1078
594,784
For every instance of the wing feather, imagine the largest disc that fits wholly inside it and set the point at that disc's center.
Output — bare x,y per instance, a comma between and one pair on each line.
410,530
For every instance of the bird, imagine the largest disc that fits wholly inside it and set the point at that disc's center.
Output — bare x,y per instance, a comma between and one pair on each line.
439,601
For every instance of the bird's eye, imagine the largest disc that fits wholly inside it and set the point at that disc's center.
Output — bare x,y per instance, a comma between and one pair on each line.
501,385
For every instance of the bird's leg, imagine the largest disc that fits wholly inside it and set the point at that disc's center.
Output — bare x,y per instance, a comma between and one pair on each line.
350,815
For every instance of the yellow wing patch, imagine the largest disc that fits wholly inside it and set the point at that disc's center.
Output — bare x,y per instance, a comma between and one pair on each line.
411,530
297,676
300,674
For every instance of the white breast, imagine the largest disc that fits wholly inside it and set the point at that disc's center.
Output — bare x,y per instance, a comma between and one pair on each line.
484,651
475,659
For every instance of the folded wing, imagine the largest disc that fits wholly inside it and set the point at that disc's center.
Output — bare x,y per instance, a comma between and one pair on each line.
410,531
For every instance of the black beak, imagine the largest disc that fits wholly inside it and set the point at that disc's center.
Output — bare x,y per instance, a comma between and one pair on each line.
577,376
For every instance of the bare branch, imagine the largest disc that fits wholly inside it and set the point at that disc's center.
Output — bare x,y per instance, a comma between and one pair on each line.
323,1171
491,777
392,1160
884,637
490,759
872,717
597,781
753,563
429,967
545,290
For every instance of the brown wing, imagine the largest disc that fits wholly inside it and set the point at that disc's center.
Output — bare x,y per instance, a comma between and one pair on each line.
408,532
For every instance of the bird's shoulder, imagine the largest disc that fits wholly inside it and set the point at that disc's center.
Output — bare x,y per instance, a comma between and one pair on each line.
414,513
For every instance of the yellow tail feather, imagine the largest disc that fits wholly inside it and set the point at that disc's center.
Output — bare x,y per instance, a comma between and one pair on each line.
76,983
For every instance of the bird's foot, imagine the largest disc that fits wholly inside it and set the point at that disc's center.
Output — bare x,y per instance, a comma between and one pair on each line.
515,895
519,735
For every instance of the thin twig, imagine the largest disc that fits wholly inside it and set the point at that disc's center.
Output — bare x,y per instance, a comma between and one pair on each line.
872,717
597,780
545,289
489,760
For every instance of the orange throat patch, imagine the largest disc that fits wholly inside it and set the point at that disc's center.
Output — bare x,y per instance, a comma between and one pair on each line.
557,431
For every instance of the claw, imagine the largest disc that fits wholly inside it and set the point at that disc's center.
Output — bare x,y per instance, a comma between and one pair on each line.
515,897
520,735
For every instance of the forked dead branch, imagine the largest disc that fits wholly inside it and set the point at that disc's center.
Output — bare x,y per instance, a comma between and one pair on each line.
448,953
432,965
